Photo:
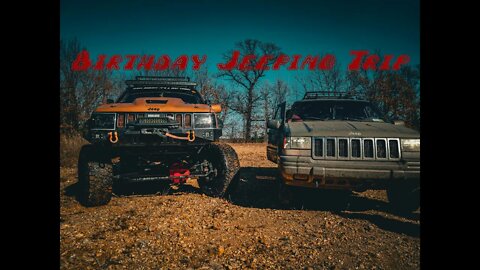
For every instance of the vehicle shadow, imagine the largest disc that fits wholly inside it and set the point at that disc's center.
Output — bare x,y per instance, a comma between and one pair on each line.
257,188
385,223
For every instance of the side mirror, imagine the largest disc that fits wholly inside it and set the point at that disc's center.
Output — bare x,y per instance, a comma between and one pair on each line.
273,123
216,108
110,101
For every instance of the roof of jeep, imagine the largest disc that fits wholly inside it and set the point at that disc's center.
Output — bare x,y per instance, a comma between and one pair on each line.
155,83
333,95
181,82
332,99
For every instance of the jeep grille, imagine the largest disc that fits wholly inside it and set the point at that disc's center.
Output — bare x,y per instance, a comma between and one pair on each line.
181,120
356,148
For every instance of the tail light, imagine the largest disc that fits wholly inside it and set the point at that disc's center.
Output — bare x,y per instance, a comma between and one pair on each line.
188,120
121,120
285,142
130,118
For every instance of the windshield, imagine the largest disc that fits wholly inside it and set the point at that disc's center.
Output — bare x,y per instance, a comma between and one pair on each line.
334,110
187,97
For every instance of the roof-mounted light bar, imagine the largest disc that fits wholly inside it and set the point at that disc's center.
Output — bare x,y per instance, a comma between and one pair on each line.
160,81
332,95
162,78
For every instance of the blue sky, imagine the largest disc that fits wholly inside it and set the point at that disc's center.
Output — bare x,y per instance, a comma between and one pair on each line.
213,27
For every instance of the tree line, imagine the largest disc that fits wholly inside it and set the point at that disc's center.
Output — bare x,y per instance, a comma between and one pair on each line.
247,98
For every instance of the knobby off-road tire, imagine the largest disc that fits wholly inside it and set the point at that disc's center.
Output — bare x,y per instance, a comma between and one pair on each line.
225,160
404,196
94,176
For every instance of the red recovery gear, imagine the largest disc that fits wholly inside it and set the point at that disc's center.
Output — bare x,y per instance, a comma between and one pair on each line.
178,173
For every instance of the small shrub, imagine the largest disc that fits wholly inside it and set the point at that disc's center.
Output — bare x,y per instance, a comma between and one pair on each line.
70,146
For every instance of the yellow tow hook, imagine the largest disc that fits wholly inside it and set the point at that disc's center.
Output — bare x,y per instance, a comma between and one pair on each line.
191,138
115,135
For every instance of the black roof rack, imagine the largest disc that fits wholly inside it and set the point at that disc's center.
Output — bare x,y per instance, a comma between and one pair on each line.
157,81
332,95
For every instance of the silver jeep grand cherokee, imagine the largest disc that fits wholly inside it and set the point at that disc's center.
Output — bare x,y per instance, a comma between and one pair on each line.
341,142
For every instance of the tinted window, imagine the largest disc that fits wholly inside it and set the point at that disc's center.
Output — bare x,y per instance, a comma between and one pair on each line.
336,110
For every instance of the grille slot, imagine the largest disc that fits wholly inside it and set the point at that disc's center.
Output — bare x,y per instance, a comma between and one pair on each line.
394,148
381,148
318,147
356,149
330,147
368,148
343,148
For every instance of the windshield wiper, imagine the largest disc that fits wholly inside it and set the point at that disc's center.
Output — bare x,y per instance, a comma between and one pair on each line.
352,119
317,118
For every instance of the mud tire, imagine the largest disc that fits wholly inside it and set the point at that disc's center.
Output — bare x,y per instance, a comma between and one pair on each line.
225,160
94,176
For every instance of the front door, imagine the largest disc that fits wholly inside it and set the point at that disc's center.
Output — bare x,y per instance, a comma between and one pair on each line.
275,136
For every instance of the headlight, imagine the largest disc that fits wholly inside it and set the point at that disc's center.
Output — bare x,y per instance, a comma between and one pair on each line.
204,120
103,121
300,142
412,145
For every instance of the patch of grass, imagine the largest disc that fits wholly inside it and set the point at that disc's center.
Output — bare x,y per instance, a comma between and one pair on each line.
70,146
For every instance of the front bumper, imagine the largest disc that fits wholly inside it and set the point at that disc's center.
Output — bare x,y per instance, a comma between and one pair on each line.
153,136
346,174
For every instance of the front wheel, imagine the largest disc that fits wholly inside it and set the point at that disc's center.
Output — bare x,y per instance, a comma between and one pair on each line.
224,169
94,177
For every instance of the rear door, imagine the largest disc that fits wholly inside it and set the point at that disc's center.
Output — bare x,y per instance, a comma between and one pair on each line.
275,136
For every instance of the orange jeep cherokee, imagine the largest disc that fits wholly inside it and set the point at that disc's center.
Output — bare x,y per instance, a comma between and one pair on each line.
159,129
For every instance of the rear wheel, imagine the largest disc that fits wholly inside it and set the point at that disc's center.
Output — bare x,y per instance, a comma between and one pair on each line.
94,176
225,168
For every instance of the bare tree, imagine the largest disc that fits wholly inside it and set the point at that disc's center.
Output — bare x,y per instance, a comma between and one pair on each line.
80,91
331,80
213,91
94,89
246,101
69,81
395,92
272,95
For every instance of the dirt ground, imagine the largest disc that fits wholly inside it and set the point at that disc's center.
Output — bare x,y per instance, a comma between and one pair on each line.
145,228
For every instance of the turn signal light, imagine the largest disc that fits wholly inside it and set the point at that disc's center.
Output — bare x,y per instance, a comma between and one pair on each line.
188,120
121,120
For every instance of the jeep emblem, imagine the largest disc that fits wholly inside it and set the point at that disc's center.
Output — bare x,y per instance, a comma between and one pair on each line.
352,133
153,109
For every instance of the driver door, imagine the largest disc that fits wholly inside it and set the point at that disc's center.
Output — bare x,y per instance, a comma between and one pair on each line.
275,136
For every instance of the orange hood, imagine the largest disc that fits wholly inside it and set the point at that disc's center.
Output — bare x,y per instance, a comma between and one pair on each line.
157,104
